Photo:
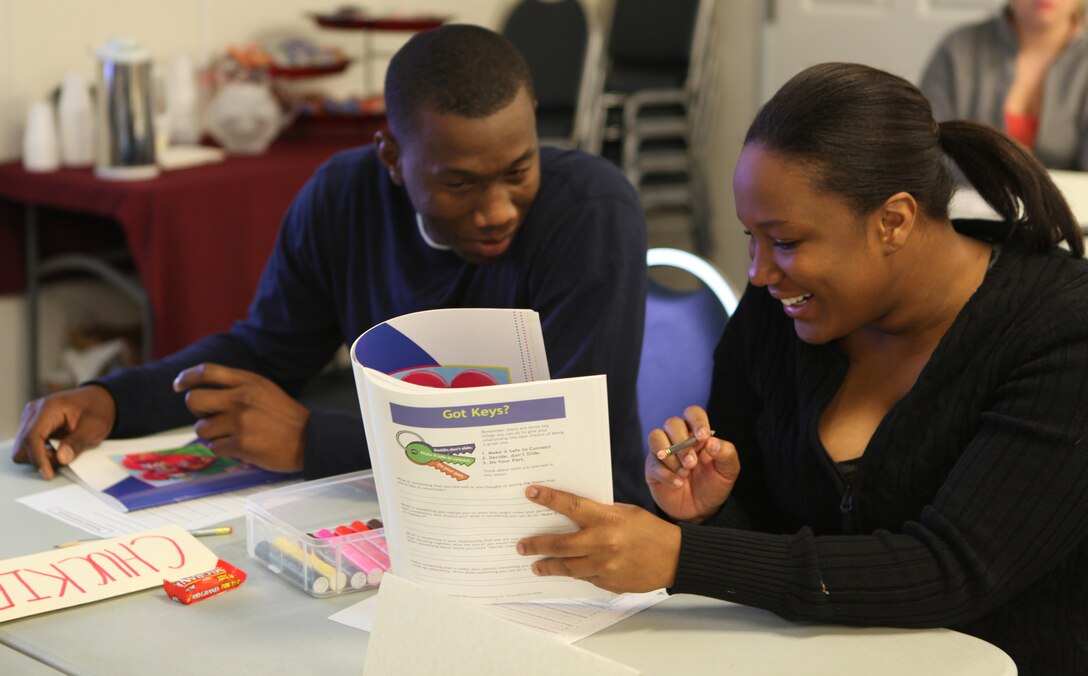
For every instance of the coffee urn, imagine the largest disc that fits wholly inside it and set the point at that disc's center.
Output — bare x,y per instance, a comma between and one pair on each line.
125,133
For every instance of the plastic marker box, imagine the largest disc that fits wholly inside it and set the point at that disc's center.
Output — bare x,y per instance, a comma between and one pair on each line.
304,533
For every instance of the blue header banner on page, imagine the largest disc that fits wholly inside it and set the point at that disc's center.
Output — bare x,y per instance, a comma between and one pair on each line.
388,350
550,408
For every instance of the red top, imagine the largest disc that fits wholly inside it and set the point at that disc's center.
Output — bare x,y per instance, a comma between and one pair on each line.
1022,128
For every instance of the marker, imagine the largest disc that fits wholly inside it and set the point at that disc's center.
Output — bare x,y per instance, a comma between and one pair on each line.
205,532
370,567
367,547
338,579
686,443
351,559
379,541
357,579
199,532
375,548
378,554
282,564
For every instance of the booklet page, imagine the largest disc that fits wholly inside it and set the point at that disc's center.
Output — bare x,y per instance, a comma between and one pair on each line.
452,467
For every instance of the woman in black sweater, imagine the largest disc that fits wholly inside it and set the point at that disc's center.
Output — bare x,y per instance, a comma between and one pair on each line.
900,401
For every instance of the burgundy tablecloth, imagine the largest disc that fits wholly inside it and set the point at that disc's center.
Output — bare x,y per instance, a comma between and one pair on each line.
199,237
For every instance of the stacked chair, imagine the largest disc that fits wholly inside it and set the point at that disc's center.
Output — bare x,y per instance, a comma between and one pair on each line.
686,291
562,48
637,91
654,104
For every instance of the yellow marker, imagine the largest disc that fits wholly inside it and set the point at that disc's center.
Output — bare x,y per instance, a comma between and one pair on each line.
338,578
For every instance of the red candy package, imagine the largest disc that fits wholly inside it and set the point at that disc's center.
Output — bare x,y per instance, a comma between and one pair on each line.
223,577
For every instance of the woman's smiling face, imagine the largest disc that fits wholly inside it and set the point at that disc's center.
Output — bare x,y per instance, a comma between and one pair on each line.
809,249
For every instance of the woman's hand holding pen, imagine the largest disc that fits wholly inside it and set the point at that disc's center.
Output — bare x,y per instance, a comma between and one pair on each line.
692,483
689,480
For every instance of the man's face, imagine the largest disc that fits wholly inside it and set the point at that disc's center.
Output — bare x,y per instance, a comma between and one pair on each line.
471,180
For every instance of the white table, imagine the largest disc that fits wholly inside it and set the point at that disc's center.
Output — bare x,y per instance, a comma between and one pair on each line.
1072,184
268,627
12,662
1074,187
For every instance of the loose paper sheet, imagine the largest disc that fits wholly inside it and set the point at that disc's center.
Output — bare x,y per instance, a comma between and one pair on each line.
76,506
61,578
567,620
473,641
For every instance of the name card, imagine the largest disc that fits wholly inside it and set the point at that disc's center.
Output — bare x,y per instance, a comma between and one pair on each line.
101,569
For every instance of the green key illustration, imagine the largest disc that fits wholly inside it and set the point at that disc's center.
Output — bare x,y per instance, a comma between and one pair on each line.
439,457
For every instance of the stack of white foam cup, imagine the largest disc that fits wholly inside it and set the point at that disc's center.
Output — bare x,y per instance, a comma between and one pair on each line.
41,152
76,114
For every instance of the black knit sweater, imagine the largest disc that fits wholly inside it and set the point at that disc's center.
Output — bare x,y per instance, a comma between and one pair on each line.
969,508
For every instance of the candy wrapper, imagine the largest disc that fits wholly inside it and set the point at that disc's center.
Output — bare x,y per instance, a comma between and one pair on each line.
223,577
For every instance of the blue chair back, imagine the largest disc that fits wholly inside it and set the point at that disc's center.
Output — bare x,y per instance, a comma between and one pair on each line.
683,326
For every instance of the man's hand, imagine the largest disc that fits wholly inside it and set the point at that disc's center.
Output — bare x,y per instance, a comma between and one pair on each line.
692,484
75,418
245,416
621,548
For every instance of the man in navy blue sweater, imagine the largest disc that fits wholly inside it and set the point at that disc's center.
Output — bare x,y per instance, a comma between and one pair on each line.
455,206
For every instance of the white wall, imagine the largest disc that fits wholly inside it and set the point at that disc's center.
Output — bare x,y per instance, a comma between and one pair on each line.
807,32
41,41
738,28
13,364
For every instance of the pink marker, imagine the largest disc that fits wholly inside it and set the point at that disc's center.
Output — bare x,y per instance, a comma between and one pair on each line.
379,543
373,569
373,524
371,549
374,547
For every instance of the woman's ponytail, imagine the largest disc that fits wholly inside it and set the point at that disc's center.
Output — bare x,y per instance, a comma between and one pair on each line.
1013,183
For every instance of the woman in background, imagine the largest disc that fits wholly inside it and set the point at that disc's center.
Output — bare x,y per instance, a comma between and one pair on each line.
1024,71
900,401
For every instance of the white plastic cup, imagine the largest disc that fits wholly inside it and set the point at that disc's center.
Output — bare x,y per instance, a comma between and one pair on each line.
182,101
40,147
76,116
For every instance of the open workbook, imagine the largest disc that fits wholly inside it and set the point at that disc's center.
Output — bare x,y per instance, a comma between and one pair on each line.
158,470
460,417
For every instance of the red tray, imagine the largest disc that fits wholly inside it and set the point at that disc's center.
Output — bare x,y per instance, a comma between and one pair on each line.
379,23
308,71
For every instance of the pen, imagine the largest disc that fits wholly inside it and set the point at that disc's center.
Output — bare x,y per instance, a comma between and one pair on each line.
218,530
199,532
686,443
